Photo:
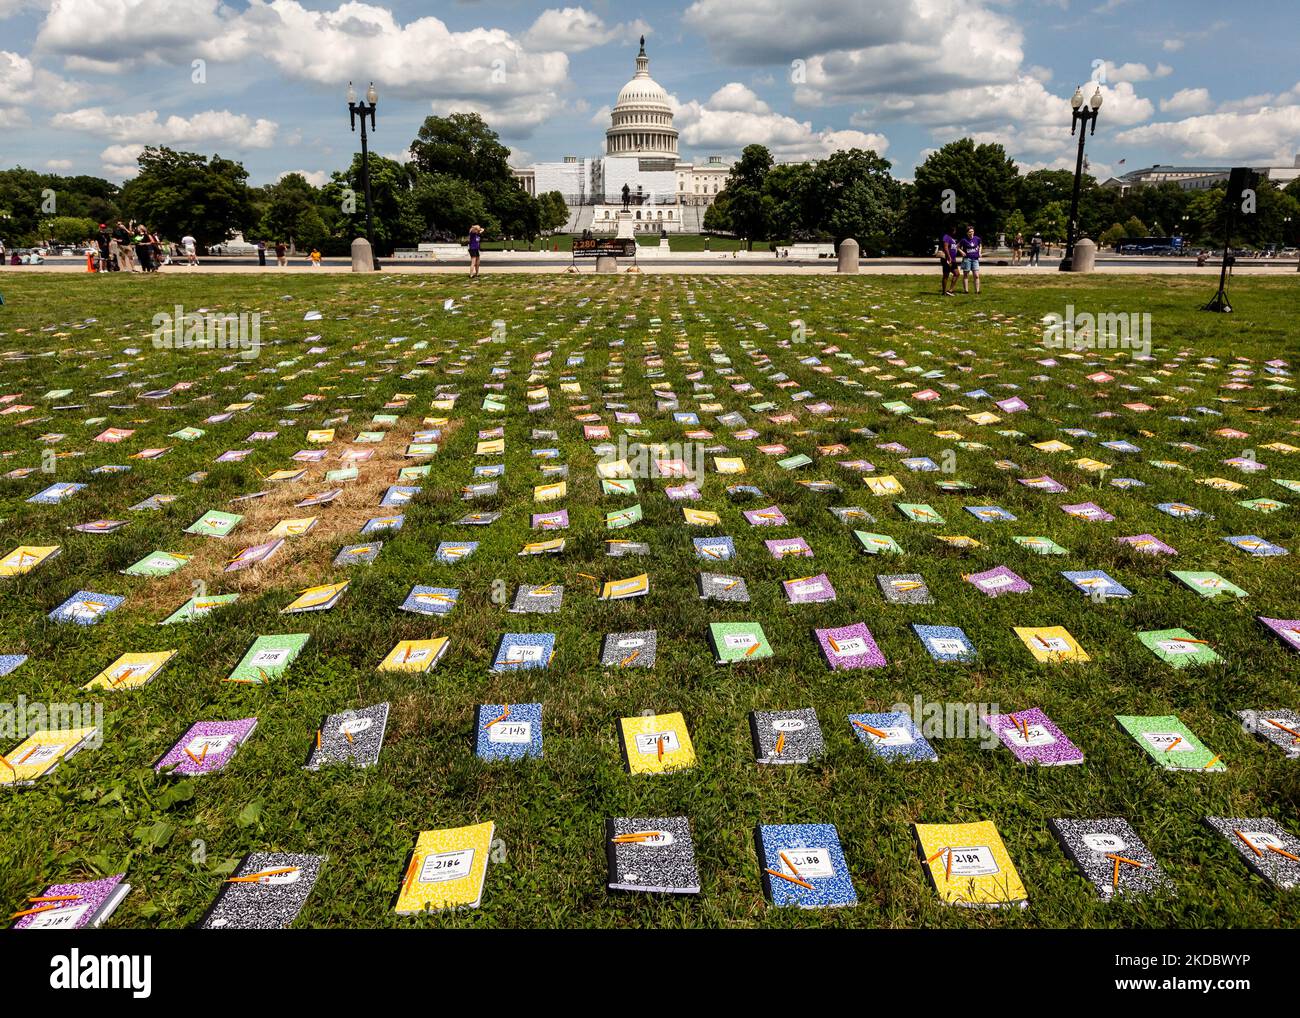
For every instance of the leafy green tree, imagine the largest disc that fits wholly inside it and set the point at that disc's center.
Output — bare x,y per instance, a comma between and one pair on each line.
745,207
981,180
1015,223
1051,220
397,222
284,208
859,197
1112,235
449,206
553,212
69,229
462,146
1135,229
179,193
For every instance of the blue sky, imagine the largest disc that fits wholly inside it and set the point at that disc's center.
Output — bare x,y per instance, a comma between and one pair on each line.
84,84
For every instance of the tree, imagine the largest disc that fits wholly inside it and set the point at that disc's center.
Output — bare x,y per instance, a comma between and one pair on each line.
397,222
69,229
1111,236
1015,223
462,146
1051,220
553,211
449,206
961,183
744,188
859,197
286,207
1135,229
179,193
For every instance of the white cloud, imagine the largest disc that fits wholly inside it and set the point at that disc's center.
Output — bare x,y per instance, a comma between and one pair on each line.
486,70
766,31
1268,135
1111,71
574,29
119,161
1173,45
735,116
208,128
58,164
1187,100
962,46
316,178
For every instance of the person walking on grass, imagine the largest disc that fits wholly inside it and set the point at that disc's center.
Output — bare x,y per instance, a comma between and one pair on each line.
475,248
949,255
971,248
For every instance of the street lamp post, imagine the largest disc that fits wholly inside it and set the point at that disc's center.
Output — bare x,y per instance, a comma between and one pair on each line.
1079,115
365,110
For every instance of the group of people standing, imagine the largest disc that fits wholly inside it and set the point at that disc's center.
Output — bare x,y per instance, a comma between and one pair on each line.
960,257
133,247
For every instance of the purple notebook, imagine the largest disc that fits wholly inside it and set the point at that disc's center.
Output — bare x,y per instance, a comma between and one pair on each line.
1287,630
768,517
551,521
1032,738
90,903
1147,544
207,747
850,647
998,581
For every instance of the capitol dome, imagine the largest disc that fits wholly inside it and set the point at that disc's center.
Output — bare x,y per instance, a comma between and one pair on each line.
641,123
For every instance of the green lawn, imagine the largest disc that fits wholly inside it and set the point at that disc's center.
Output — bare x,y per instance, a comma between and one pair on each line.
106,811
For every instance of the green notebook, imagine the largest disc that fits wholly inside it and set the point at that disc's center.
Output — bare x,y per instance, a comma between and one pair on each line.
734,642
269,657
1170,743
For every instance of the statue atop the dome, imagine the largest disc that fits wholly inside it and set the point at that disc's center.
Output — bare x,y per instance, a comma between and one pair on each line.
642,53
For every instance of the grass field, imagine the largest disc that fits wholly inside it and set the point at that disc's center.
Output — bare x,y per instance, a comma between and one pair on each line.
105,811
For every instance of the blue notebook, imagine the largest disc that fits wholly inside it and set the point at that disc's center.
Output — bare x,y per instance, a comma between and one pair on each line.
804,865
945,643
509,731
521,651
431,600
892,736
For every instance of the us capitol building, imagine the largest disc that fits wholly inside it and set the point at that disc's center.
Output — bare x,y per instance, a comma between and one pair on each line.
665,193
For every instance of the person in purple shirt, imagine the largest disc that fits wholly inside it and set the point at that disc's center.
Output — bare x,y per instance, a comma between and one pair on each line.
475,246
971,247
948,258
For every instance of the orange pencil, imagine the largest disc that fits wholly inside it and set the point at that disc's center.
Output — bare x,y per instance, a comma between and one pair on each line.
793,880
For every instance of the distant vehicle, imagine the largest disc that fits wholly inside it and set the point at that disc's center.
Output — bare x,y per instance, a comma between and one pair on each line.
1152,246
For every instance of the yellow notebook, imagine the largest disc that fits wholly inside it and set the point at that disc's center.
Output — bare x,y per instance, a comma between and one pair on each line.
1051,643
633,586
131,671
25,558
447,869
657,743
550,492
701,517
414,655
294,527
316,597
887,485
970,866
40,753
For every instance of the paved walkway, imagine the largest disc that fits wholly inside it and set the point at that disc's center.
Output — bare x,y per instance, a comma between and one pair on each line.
525,262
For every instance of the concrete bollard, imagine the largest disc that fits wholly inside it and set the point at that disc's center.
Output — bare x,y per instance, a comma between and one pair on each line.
363,259
848,256
1085,256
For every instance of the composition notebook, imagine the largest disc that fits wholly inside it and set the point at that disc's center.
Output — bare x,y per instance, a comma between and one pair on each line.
804,865
447,869
75,906
351,736
654,854
656,743
1267,849
786,737
41,753
1170,743
969,865
207,747
266,892
1112,856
